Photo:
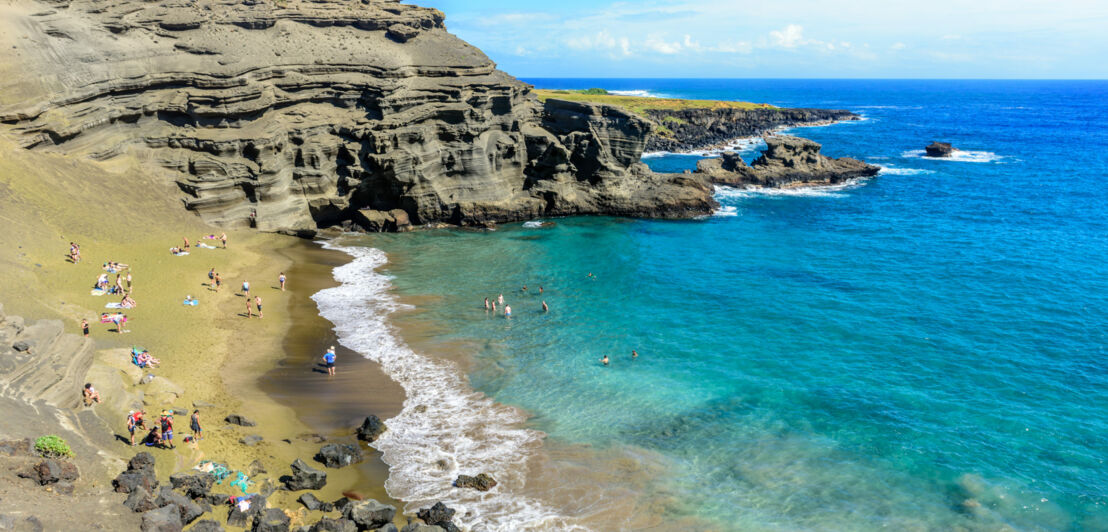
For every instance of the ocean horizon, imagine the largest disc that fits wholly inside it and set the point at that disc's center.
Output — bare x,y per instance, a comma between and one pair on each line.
917,351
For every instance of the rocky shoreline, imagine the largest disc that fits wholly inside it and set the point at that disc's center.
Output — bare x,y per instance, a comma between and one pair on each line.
713,129
787,162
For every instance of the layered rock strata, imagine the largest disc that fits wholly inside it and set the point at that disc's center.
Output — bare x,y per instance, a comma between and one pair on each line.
701,129
786,162
294,115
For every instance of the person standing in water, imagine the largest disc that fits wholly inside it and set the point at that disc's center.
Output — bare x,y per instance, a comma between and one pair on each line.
604,360
281,279
634,355
500,299
258,303
494,307
486,304
544,307
329,360
507,311
540,289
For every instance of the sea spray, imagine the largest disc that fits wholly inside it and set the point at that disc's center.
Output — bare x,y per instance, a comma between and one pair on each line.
445,428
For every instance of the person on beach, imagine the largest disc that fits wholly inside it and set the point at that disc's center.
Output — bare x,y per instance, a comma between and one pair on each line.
507,311
84,327
119,320
544,307
634,355
218,282
119,283
258,303
186,246
604,360
281,279
129,283
167,429
153,438
90,394
194,424
329,360
211,276
486,304
249,309
246,289
135,422
223,237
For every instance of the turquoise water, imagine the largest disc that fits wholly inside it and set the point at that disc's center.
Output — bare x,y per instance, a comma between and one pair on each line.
922,351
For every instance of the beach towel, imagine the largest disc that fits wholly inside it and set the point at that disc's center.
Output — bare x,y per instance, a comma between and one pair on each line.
114,305
110,318
97,292
205,246
190,302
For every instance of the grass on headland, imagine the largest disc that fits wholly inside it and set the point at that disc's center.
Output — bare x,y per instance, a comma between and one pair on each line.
641,104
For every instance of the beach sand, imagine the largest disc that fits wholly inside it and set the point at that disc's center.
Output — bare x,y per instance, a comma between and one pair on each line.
212,351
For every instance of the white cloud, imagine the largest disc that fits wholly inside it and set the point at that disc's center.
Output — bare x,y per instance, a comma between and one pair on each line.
789,37
602,41
898,46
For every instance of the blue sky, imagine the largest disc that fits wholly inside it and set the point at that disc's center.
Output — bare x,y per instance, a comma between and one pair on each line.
788,38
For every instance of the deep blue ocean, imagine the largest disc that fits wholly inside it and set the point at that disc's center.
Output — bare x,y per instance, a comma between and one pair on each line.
923,350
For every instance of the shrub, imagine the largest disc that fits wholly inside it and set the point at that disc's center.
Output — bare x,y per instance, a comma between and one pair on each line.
594,91
53,447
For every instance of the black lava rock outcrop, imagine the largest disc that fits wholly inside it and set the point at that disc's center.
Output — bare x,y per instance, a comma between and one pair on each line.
371,429
240,420
481,482
369,515
304,477
707,128
786,162
139,473
939,149
439,515
339,455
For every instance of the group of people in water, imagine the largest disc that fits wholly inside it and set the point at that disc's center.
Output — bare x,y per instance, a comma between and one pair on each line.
499,301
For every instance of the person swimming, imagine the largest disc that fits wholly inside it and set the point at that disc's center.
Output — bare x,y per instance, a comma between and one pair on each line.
634,355
604,360
544,307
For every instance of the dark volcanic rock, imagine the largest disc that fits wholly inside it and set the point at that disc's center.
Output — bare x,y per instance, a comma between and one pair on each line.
369,515
420,527
16,447
786,162
195,484
271,520
51,471
304,477
128,481
698,129
438,515
164,519
239,518
334,525
141,461
240,420
310,501
481,482
250,440
190,511
371,428
206,525
339,455
141,500
939,149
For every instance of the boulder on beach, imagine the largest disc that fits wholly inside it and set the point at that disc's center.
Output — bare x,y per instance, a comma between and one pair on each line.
339,455
240,420
939,149
334,525
140,472
369,515
271,520
51,471
439,515
195,484
481,482
164,519
371,429
304,477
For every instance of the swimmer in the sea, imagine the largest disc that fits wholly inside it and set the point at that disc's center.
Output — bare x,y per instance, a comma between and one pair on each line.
604,360
544,307
634,355
507,311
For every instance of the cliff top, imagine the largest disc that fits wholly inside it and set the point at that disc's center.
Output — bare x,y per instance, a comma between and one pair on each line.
642,104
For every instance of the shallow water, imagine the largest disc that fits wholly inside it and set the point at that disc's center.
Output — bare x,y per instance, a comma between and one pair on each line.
919,351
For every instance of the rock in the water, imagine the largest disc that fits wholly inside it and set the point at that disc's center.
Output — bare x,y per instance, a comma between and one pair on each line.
339,455
370,514
939,149
206,525
164,519
310,501
439,515
786,162
240,420
334,525
304,477
195,484
371,429
481,482
271,520
140,500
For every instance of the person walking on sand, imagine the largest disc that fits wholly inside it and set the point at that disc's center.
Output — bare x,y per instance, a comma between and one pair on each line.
249,309
544,307
329,360
119,283
223,238
258,303
246,289
135,422
211,277
186,246
604,360
129,283
84,327
218,282
194,424
281,279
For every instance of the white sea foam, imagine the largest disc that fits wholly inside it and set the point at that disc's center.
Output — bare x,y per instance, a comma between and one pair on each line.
533,224
888,170
727,211
741,145
962,156
724,193
637,92
445,428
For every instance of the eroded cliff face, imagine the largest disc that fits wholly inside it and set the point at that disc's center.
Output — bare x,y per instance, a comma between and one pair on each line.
293,115
700,129
786,162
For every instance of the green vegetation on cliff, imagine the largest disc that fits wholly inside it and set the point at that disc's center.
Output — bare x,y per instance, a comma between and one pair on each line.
640,104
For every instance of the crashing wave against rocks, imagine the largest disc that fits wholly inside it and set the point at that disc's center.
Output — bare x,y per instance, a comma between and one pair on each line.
291,116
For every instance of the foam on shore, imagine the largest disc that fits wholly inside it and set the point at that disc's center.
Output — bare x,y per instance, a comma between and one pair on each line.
445,428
